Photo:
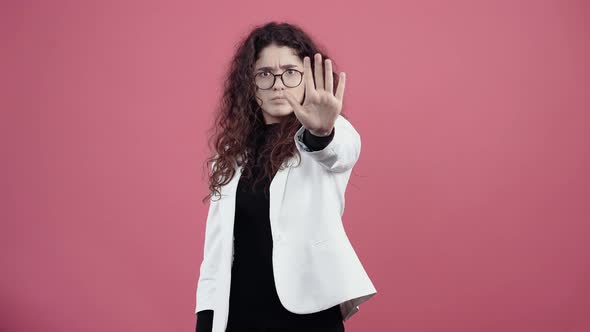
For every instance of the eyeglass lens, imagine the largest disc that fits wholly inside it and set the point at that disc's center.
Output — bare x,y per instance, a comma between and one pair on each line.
291,79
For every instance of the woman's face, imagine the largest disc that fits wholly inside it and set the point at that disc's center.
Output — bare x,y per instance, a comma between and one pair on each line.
276,60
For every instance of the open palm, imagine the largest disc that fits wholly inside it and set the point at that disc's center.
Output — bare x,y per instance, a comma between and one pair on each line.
321,106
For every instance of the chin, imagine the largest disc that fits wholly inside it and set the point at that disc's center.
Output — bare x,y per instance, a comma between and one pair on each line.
281,111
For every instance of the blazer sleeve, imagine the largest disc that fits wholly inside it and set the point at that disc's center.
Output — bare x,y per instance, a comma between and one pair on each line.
205,293
341,153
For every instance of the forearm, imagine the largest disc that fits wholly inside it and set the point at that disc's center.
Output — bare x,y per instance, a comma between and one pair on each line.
316,143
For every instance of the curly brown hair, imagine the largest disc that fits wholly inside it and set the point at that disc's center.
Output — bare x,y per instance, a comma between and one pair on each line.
239,118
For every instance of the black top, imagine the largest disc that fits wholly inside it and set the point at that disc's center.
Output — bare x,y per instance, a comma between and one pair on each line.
253,298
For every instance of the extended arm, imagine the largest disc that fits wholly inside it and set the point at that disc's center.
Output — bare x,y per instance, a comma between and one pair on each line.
340,153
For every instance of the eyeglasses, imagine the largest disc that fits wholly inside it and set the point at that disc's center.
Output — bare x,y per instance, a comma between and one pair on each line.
291,78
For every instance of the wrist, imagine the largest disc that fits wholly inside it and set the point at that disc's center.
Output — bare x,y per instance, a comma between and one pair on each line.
321,133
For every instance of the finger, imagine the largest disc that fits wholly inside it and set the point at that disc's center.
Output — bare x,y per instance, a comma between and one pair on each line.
309,84
341,85
319,73
329,77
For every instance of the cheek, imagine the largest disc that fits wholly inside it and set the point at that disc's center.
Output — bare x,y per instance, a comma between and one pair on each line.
260,98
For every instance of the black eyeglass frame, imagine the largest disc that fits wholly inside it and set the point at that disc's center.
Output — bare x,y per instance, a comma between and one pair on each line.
274,79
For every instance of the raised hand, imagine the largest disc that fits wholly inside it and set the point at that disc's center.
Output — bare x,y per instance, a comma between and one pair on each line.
321,106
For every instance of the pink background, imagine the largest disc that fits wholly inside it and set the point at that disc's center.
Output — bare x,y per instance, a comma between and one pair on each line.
469,206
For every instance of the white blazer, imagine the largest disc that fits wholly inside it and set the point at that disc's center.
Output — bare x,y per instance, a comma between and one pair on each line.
315,266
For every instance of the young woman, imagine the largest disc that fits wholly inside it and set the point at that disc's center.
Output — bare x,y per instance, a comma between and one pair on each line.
276,255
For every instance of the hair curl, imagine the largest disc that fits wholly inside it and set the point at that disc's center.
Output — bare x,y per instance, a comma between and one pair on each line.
239,118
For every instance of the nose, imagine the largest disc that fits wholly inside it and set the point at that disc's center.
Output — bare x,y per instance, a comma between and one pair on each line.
278,84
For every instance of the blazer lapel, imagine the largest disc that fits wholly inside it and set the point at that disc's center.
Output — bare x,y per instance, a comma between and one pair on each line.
277,192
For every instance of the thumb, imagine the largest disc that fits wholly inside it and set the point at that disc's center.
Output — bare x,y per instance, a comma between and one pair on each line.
292,101
298,110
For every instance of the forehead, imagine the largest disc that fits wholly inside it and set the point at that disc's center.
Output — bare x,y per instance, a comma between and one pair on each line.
275,56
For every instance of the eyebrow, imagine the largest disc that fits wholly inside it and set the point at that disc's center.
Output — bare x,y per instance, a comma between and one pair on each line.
282,67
